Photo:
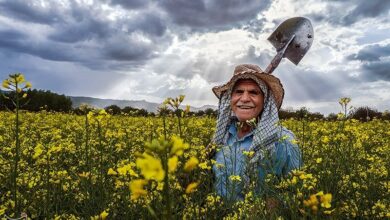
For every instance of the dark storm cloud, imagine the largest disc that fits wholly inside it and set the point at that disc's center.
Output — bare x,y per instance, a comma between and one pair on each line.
15,41
371,53
85,25
375,62
84,34
29,12
130,4
349,12
118,50
208,14
378,70
85,29
370,9
9,37
149,23
60,77
255,27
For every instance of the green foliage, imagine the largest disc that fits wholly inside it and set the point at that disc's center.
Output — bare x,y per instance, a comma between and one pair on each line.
302,113
113,109
39,100
365,113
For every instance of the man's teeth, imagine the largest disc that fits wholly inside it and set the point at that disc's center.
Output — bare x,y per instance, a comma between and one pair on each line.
245,107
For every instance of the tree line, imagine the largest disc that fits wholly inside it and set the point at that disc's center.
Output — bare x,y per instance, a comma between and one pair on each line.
39,100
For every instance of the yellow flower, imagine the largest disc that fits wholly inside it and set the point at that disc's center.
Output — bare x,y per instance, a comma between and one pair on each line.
28,85
84,174
160,186
132,173
248,153
204,166
326,200
172,164
2,211
125,170
294,180
187,108
6,84
137,188
178,146
150,167
38,150
328,212
294,141
181,98
340,116
19,78
305,176
118,184
235,178
111,172
312,201
191,164
103,215
319,160
191,187
325,139
219,165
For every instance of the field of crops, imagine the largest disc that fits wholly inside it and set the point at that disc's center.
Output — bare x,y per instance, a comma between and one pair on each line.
97,166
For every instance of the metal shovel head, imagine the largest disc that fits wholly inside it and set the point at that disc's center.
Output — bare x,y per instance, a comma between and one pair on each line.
303,31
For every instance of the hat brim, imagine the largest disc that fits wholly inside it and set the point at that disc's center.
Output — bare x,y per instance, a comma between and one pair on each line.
272,82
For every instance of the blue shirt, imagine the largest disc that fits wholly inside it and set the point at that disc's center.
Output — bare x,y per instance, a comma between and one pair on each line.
231,162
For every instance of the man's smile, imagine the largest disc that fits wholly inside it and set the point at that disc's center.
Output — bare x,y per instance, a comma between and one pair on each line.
245,107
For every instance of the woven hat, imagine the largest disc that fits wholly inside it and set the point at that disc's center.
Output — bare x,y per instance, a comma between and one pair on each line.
248,71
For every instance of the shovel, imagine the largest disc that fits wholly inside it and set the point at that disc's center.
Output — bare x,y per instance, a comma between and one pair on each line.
292,39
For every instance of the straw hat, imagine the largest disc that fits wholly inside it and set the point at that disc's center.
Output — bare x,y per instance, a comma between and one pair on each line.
248,71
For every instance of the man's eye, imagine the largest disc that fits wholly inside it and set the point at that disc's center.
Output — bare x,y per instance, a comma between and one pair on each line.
239,91
254,92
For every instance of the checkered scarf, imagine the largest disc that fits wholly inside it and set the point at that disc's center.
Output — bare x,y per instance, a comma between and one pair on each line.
267,131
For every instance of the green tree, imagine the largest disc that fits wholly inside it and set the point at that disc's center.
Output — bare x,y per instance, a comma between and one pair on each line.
113,109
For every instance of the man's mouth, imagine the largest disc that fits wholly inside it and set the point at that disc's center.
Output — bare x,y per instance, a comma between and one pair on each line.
244,107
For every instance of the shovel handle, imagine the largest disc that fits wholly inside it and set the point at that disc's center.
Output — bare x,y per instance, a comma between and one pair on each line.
278,57
274,63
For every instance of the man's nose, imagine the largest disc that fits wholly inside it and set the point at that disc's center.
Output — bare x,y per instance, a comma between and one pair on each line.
245,97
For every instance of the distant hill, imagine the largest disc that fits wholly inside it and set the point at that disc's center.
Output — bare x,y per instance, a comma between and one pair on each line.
102,103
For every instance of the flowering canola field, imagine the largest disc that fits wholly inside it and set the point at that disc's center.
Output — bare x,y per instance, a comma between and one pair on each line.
97,166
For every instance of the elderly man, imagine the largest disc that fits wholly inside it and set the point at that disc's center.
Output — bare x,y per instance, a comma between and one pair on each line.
248,132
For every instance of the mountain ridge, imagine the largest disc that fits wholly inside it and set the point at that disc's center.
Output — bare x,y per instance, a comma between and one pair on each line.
141,104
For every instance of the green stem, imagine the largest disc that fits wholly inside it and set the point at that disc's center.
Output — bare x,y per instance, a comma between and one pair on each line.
100,155
16,162
86,144
166,188
178,117
165,128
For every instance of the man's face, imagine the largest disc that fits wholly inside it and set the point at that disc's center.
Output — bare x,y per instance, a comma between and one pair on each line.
247,100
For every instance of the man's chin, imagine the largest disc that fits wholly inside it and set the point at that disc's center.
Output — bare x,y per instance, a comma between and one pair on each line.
243,118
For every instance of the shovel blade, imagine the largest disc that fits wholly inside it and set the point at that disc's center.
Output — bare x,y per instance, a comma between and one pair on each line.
303,31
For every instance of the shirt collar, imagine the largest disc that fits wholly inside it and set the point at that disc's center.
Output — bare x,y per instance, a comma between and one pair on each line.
233,131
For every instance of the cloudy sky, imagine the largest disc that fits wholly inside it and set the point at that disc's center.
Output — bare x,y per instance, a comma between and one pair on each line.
150,50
